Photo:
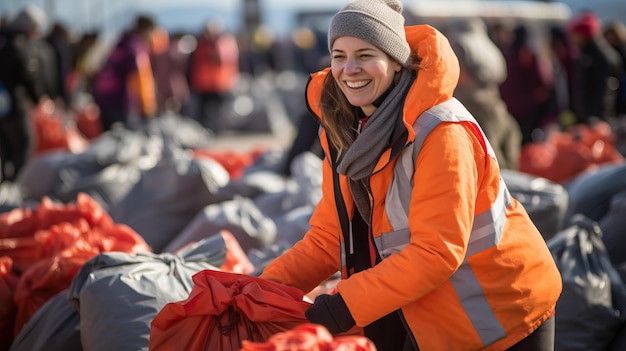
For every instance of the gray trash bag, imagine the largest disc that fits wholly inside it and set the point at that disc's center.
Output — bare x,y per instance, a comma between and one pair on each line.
619,342
118,295
55,326
613,224
302,189
11,196
169,195
239,216
293,225
39,175
257,179
590,193
592,307
291,209
545,201
61,174
182,130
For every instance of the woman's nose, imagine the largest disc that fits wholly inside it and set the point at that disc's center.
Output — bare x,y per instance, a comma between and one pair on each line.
352,66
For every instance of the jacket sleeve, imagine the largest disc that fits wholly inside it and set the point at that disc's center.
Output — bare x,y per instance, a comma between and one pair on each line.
447,176
316,257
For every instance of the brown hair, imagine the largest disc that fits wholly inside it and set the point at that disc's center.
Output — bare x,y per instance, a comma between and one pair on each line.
339,116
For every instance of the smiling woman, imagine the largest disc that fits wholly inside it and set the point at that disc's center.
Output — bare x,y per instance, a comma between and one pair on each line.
431,247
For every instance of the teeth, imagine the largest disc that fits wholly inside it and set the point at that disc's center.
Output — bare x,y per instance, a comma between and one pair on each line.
357,84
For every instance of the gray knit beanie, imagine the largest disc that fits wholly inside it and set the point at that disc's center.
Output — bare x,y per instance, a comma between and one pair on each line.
379,22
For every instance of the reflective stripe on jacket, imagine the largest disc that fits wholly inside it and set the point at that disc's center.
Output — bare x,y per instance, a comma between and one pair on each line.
461,282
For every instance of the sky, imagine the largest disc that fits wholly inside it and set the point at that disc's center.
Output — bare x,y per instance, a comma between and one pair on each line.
278,15
187,14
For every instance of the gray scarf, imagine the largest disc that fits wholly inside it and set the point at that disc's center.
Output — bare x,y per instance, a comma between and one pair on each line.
361,157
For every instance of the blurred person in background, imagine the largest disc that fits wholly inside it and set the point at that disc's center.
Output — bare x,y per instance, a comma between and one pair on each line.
21,87
563,55
213,72
60,42
597,70
528,88
83,71
615,34
124,88
159,59
483,69
433,251
170,62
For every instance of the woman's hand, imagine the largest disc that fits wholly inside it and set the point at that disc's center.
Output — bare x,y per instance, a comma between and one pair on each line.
331,311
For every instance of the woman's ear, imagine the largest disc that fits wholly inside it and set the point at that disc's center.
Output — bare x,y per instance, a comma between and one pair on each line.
398,67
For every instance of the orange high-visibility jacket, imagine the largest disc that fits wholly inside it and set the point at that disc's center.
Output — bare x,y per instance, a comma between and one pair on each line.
454,293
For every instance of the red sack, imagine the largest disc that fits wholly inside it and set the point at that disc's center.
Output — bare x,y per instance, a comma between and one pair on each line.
565,155
234,162
8,310
236,259
310,337
88,120
27,235
53,242
53,133
45,279
223,309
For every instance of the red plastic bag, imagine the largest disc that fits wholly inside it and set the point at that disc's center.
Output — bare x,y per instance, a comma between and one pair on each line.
565,155
88,120
236,259
8,310
310,337
53,133
223,309
234,162
52,242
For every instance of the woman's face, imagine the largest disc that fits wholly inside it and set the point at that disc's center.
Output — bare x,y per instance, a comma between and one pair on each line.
362,71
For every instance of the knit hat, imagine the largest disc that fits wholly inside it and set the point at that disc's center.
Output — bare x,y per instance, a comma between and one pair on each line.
379,22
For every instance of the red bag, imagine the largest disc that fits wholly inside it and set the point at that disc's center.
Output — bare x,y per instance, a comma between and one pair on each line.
223,309
51,243
234,162
565,155
52,133
310,337
88,120
30,235
8,310
236,259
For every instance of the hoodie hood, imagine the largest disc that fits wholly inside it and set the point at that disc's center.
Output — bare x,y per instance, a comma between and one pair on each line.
435,82
439,73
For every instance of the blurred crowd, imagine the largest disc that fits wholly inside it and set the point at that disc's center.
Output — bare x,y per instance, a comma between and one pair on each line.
519,80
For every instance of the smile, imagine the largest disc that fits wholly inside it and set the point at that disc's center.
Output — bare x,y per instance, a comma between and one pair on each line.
357,84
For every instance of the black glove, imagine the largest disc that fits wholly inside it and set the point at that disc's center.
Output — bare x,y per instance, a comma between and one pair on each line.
331,312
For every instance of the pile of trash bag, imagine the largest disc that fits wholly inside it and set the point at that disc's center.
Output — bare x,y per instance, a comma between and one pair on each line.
129,243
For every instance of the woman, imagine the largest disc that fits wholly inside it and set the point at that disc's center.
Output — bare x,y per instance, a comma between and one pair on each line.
432,249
